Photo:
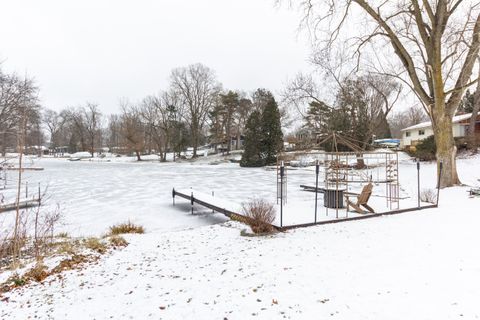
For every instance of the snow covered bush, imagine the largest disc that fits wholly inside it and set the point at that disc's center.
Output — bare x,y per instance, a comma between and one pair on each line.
428,195
260,214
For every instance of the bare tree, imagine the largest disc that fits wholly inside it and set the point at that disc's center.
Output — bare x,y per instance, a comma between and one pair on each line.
155,115
197,87
55,124
92,118
16,93
132,129
436,44
406,118
113,132
76,120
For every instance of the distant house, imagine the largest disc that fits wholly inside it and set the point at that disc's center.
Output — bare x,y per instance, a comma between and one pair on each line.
236,143
414,134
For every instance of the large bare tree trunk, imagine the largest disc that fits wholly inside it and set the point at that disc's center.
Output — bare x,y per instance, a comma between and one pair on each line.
446,149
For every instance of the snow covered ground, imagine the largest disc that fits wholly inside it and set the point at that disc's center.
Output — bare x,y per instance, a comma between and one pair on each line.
418,265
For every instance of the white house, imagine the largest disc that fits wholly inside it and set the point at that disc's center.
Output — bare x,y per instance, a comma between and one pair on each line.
412,135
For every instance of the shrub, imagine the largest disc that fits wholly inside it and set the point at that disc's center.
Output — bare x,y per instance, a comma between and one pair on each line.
426,149
18,281
118,241
127,227
428,195
37,273
96,245
260,214
63,235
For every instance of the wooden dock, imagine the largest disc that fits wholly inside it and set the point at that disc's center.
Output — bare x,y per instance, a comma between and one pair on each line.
22,205
211,203
25,169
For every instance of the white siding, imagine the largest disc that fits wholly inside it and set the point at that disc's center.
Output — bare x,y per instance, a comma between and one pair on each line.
458,131
415,135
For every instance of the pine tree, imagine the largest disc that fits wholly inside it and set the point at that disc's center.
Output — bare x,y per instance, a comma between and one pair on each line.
252,156
272,136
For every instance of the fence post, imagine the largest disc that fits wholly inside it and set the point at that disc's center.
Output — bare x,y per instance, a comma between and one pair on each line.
439,179
418,182
173,196
317,171
282,172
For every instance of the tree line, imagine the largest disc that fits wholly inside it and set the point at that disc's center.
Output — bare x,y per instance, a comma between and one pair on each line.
194,110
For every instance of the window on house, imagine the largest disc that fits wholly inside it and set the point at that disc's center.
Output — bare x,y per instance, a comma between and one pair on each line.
421,132
407,134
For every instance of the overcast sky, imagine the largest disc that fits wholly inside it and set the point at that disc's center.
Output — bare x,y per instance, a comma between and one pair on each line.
104,50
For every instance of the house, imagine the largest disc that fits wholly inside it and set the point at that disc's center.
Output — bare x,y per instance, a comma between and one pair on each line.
414,134
236,143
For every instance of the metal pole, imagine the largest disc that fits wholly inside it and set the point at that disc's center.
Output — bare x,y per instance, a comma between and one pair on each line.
282,172
418,182
439,179
317,171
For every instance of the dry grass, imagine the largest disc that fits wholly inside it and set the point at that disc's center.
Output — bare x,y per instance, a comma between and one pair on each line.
71,263
37,273
96,244
261,215
66,247
118,241
127,227
428,195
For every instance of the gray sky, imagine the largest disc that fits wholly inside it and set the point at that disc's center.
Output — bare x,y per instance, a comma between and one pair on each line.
104,50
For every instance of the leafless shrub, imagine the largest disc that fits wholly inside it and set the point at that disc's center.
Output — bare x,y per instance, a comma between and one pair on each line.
63,235
44,226
260,214
124,228
9,244
428,195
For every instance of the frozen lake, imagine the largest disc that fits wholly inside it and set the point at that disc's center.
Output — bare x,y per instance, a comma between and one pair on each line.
96,195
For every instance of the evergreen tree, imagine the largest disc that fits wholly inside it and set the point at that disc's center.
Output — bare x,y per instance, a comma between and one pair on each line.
252,156
272,136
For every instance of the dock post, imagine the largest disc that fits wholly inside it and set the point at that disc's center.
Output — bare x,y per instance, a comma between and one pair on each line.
213,195
191,201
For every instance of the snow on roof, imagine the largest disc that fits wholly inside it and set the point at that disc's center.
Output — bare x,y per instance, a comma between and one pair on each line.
427,124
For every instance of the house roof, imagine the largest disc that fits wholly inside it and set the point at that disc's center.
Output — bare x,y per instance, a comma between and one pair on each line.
427,124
